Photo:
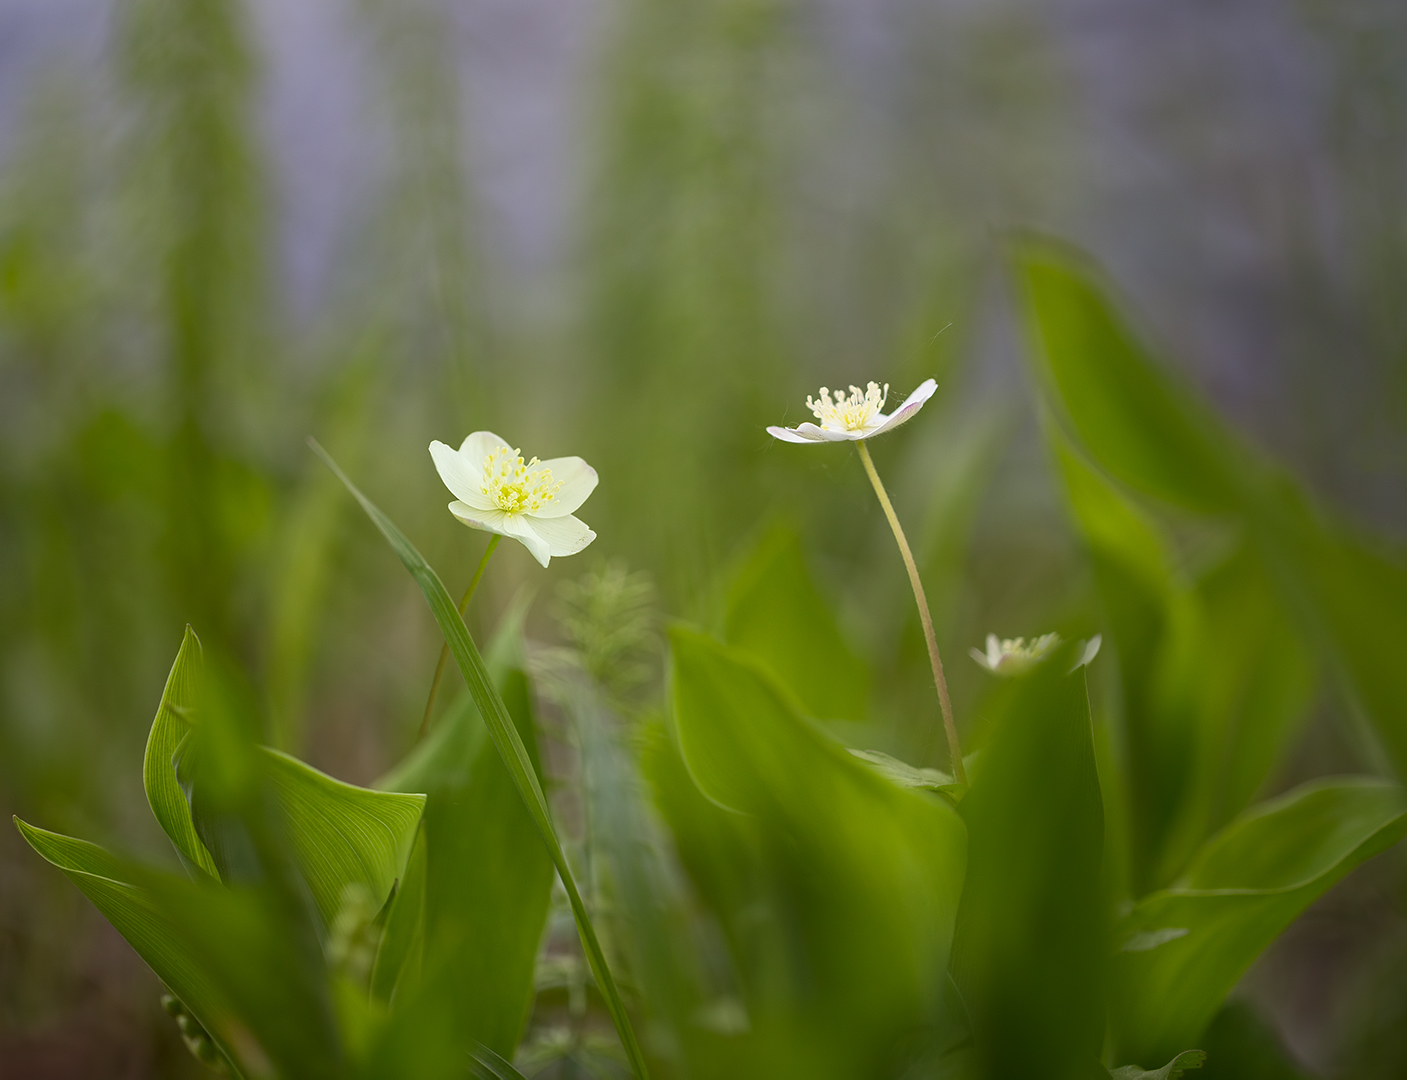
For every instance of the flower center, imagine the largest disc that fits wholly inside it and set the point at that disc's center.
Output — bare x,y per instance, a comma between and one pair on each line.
515,487
849,412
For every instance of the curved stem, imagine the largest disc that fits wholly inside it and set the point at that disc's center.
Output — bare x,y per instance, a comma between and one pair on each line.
931,639
444,649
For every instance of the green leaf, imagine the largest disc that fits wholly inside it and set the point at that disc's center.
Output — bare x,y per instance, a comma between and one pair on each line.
776,613
1134,419
487,889
510,747
1242,1046
1247,884
402,941
1357,594
865,875
1148,433
1214,676
1032,929
173,721
216,949
342,835
1188,1059
491,1066
906,775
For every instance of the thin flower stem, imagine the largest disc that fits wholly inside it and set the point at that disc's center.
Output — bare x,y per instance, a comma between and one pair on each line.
954,749
444,649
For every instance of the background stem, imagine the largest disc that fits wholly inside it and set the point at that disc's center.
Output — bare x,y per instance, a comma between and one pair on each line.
954,749
444,649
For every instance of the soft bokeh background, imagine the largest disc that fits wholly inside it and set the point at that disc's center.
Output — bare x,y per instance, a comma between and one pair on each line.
638,231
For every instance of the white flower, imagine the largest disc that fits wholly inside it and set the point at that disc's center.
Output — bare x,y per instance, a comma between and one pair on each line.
532,502
848,418
1012,656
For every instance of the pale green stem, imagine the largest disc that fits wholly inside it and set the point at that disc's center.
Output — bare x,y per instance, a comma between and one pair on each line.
931,639
444,650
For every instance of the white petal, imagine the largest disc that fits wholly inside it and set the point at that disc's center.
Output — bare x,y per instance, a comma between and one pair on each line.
980,657
787,434
578,481
463,476
906,411
820,434
564,535
476,447
514,526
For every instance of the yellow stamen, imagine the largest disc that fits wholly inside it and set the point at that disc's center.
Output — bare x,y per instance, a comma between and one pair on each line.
852,412
515,487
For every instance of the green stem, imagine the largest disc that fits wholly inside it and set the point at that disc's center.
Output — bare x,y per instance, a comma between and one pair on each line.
444,649
931,639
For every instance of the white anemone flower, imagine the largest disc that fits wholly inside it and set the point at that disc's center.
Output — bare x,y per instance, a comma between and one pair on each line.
532,502
854,416
1015,656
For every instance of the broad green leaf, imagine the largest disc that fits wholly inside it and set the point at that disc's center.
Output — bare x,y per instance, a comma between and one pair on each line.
216,950
1181,950
399,953
1188,1059
510,747
341,835
1214,676
906,775
865,875
256,808
488,884
105,880
1143,430
1134,419
1357,594
776,613
1032,929
1242,1046
173,720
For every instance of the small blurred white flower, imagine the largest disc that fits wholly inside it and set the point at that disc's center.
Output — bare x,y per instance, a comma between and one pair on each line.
532,502
1013,656
849,418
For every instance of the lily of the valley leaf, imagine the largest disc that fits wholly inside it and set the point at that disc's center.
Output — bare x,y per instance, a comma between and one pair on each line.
854,416
532,502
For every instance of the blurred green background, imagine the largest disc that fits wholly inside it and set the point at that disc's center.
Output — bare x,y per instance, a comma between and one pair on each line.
636,231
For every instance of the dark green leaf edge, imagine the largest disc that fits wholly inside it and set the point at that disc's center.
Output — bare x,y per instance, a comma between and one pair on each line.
510,746
99,876
1188,1059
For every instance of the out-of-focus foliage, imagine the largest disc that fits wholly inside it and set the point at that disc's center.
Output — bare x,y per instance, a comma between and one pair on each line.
753,856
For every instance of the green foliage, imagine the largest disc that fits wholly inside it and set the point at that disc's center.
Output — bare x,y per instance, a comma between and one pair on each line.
776,612
865,875
485,940
1029,956
1147,433
510,747
1188,1059
1183,948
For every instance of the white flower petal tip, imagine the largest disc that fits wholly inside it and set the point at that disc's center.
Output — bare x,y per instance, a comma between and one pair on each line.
1015,656
532,502
1089,652
853,416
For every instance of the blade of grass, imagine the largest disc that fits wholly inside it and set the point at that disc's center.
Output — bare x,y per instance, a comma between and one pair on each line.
510,746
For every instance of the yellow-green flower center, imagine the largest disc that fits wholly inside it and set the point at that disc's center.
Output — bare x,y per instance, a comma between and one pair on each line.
849,412
515,487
